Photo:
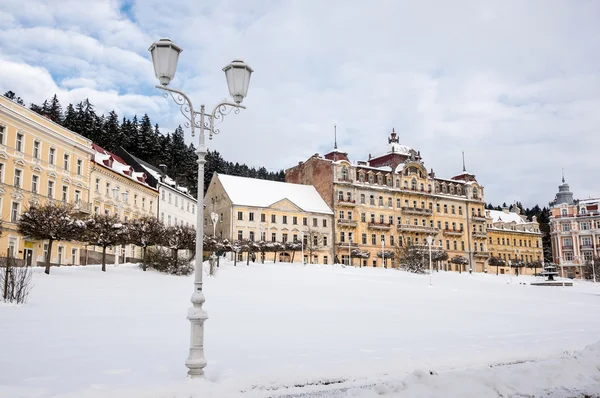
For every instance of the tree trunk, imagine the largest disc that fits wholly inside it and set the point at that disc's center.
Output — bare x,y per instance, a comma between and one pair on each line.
274,257
104,259
248,258
144,258
497,267
293,255
235,259
262,259
47,270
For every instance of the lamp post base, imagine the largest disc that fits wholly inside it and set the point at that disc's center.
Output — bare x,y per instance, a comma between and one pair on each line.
196,315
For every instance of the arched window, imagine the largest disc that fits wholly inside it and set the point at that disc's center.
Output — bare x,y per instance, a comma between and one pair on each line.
380,179
389,181
361,177
362,198
459,191
422,187
413,184
397,183
371,179
348,196
340,195
444,189
405,184
344,173
452,189
475,193
429,187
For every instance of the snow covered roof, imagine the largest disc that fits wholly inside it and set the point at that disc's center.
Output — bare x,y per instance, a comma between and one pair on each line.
500,216
263,193
118,165
382,168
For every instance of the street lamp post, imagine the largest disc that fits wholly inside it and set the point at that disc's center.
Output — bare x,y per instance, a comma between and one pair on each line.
261,228
430,242
124,196
301,247
165,55
349,251
214,218
382,252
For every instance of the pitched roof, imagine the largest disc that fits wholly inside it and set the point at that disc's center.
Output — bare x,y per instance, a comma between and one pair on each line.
500,216
263,193
117,164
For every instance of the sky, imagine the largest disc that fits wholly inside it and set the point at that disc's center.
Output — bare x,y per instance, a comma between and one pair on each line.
513,84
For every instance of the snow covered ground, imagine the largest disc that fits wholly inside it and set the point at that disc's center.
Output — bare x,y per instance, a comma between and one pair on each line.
363,332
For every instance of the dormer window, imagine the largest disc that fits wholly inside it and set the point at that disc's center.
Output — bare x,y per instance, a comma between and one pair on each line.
397,183
361,177
405,184
413,184
371,179
444,189
344,173
380,179
564,212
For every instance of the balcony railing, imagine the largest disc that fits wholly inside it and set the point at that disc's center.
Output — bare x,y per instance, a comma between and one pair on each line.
417,228
481,254
346,202
416,210
345,180
590,246
480,235
376,225
82,207
346,244
344,222
455,232
478,218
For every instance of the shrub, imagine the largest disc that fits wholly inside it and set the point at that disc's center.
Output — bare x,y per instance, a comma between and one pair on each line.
162,261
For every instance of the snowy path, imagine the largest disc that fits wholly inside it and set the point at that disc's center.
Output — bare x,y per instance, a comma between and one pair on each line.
85,332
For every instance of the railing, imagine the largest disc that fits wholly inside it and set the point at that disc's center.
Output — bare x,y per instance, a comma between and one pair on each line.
481,254
347,223
453,231
416,210
376,225
590,246
82,207
345,202
417,228
346,180
346,244
478,218
479,235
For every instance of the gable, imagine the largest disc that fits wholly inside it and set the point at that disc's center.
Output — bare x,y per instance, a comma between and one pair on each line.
285,205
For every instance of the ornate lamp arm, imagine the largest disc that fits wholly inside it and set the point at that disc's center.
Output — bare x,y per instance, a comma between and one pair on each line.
215,118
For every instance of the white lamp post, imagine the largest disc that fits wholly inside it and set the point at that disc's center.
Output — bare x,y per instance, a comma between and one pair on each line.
349,251
382,252
261,228
302,247
119,206
430,242
165,55
214,218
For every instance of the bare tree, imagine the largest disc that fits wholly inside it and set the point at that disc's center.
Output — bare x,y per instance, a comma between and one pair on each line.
496,262
314,242
517,264
437,256
180,237
15,281
357,253
105,230
460,261
144,232
411,258
592,268
52,221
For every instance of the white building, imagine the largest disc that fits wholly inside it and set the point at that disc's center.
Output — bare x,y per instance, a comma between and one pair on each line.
175,204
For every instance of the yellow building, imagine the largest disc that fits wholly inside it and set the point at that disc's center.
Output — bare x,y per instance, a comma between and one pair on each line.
270,211
116,188
393,198
39,160
511,237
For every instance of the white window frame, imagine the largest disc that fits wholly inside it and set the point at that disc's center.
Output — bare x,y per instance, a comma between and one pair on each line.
37,149
64,194
51,186
35,183
20,174
52,156
19,143
79,167
14,212
67,161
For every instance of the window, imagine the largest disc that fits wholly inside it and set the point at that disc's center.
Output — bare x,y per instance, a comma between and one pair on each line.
446,209
36,149
363,217
364,239
344,173
437,207
381,201
460,210
240,216
79,167
324,258
51,189
77,196
413,184
584,226
304,221
341,215
380,179
176,200
284,238
52,156
372,218
372,200
19,142
108,189
371,179
586,241
284,219
169,220
389,202
315,222
392,240
18,177
342,236
263,236
240,235
325,239
362,198
251,235
135,196
567,242
453,210
2,129
273,218
66,161
144,203
163,192
98,185
568,256
193,209
1,172
14,212
325,220
151,205
361,177
263,217
295,220
381,219
73,256
273,237
251,216
34,183
373,239
65,192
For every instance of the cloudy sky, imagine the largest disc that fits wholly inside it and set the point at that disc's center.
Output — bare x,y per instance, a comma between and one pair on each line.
515,84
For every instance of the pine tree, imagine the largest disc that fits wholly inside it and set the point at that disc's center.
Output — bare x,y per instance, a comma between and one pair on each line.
54,110
70,119
13,97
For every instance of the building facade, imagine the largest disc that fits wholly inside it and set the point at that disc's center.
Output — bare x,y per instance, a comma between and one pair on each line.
39,161
176,205
511,237
261,210
575,231
392,198
116,188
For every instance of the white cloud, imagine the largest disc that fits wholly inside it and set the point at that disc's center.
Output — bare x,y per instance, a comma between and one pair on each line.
514,84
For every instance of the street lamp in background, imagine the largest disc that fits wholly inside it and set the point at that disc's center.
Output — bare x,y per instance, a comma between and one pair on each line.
214,218
302,247
349,251
430,242
382,252
165,55
261,228
124,196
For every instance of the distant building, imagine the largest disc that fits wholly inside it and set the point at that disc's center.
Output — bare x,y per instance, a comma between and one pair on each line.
176,205
391,197
575,231
511,237
262,210
116,188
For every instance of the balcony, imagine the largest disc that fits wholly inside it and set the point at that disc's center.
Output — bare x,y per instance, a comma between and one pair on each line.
382,226
453,232
345,181
567,247
82,207
416,210
346,244
478,218
481,254
344,222
480,235
586,247
345,202
417,228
